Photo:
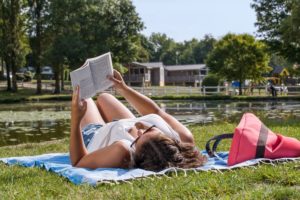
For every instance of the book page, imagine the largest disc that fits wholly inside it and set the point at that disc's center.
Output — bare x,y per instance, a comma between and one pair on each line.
101,67
82,77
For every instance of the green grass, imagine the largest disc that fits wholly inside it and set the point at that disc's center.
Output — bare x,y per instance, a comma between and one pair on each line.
281,181
26,94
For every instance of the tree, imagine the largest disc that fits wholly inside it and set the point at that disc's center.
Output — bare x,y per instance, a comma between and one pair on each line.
146,49
290,36
278,25
81,29
186,52
1,40
211,80
65,42
269,15
123,27
12,39
202,49
163,47
37,24
238,57
4,14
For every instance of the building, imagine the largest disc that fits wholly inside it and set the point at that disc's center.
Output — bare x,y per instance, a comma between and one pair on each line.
151,74
185,74
278,75
145,74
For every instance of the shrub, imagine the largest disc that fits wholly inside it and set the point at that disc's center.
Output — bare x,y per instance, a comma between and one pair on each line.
211,80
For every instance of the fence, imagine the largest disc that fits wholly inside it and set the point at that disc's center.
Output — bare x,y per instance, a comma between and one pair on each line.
180,90
216,90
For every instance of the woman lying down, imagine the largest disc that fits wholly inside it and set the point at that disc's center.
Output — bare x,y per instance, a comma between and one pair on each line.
106,134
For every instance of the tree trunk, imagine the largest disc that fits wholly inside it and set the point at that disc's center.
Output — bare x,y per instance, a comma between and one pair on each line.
7,74
2,67
240,88
56,76
38,80
62,83
38,48
13,20
13,70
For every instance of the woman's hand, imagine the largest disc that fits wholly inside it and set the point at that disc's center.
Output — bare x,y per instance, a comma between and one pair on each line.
78,106
118,81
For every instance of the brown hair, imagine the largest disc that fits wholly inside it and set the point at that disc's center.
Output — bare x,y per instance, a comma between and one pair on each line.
162,152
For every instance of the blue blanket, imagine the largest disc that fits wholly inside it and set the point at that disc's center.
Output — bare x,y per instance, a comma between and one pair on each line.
60,164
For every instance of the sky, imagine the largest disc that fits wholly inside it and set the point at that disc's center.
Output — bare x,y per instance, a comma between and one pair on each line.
186,19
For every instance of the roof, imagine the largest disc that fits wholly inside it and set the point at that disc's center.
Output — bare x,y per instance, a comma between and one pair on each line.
149,65
185,67
277,69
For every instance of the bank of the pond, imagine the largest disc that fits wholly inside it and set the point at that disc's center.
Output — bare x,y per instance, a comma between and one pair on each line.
281,181
28,95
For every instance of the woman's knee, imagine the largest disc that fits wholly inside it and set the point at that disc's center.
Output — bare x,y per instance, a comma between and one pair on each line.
104,98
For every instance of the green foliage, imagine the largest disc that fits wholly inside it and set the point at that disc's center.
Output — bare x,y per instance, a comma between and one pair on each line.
85,29
78,30
270,15
211,80
290,36
68,32
12,40
278,23
238,57
123,25
37,24
165,49
278,60
120,68
203,48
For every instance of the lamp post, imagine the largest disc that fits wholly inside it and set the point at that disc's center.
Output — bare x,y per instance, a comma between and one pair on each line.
177,53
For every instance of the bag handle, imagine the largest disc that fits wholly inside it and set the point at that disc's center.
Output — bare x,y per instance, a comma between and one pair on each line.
217,139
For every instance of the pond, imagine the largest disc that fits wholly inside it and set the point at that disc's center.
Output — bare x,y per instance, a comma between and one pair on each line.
36,122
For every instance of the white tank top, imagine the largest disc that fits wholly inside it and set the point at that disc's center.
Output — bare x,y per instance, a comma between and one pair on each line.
118,131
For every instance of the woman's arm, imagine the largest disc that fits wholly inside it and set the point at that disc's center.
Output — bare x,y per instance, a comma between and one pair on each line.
78,109
144,105
115,155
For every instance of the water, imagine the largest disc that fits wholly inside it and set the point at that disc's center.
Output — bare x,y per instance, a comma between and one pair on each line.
36,122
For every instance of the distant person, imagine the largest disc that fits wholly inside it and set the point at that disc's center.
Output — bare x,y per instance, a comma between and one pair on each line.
267,89
107,134
284,89
273,90
252,87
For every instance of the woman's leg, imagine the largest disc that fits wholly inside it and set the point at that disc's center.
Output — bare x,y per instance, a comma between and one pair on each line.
92,114
111,108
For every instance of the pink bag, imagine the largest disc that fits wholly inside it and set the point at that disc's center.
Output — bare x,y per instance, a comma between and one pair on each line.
252,139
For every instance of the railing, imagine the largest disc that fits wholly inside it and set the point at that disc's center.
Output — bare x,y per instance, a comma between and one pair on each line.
215,90
137,78
173,78
168,79
180,90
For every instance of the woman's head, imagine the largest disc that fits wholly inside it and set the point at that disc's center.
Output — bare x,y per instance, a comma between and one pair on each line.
160,152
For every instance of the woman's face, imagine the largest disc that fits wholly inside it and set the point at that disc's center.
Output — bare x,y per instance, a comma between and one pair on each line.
144,134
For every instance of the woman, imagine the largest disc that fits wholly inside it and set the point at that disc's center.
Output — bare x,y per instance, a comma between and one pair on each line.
107,134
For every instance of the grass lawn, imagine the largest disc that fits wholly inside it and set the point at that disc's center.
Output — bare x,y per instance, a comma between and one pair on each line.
27,94
281,181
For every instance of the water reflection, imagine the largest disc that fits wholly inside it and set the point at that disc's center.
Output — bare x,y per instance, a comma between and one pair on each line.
206,112
35,122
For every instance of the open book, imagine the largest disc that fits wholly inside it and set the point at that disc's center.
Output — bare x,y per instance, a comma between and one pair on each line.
92,76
